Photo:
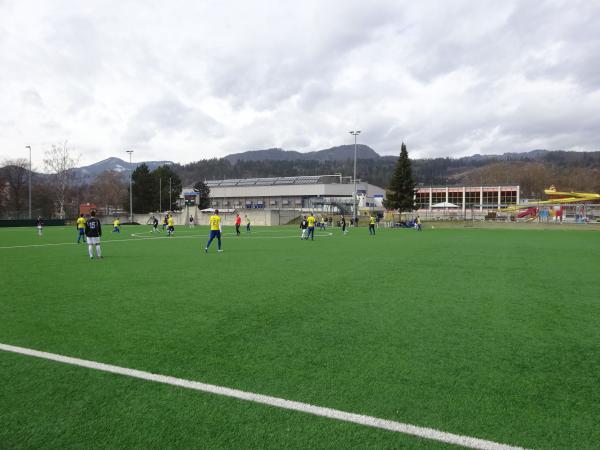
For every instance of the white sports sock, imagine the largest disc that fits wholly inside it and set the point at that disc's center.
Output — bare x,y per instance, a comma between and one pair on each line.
98,252
90,251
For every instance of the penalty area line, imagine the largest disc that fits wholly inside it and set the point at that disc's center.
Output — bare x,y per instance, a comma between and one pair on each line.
374,422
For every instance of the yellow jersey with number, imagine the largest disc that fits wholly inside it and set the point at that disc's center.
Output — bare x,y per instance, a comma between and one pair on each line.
372,220
311,221
215,223
170,222
81,223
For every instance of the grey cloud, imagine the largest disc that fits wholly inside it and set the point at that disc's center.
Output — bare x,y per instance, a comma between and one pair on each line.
167,116
445,77
31,97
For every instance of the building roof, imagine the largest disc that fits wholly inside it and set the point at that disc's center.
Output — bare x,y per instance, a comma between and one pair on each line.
304,179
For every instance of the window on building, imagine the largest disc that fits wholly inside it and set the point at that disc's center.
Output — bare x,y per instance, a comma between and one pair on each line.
472,198
508,197
438,197
455,198
490,199
422,200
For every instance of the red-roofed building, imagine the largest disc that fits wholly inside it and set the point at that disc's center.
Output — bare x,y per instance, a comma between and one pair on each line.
85,208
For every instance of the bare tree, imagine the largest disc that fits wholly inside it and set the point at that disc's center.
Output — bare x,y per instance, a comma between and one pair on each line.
109,190
60,162
15,176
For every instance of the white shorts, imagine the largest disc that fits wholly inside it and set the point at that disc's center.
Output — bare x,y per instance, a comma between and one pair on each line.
93,240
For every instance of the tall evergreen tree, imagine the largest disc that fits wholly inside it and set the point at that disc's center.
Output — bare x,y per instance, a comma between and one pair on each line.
145,190
401,189
204,193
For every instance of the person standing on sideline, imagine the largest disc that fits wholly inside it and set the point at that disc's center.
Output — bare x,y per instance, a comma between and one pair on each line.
154,224
311,227
418,223
170,226
343,224
93,232
372,225
165,221
322,223
303,227
238,222
117,225
81,228
191,221
40,225
215,231
247,224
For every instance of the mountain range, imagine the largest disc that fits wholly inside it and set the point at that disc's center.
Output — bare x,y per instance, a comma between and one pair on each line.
533,170
344,153
116,164
339,153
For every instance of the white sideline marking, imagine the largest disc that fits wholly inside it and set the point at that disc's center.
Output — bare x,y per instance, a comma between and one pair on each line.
75,243
139,237
399,427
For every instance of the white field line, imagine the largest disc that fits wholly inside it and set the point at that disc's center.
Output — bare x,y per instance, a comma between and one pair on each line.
399,427
140,237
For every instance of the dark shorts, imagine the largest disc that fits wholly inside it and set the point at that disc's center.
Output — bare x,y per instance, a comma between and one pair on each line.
81,231
215,234
171,228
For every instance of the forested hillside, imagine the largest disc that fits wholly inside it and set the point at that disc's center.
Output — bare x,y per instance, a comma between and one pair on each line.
533,171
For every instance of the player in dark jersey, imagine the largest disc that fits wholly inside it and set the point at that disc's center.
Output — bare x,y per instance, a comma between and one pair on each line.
154,224
93,232
343,224
303,227
40,225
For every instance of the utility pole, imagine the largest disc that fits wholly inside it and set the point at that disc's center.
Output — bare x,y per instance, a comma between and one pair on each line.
355,133
130,187
29,147
160,194
170,201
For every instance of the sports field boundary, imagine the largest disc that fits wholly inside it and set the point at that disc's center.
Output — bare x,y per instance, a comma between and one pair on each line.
145,236
374,422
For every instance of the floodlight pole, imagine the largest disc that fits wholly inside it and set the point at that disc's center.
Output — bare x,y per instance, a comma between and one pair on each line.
130,188
355,133
29,147
170,201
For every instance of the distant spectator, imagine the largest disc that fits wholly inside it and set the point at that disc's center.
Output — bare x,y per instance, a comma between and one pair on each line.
40,225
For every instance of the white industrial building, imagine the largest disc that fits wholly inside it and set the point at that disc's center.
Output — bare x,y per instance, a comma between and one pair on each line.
328,193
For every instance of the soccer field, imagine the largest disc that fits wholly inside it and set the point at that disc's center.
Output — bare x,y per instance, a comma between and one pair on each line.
489,334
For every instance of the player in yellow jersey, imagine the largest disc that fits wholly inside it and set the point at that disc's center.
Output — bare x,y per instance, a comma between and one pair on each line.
116,225
170,226
215,230
372,225
81,228
311,227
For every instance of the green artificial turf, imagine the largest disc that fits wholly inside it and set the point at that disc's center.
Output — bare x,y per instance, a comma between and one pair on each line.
493,334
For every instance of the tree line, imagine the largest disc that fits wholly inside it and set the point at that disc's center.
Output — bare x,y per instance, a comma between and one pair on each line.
58,193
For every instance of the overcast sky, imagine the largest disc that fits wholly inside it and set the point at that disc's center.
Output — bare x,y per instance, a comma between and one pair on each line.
187,80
